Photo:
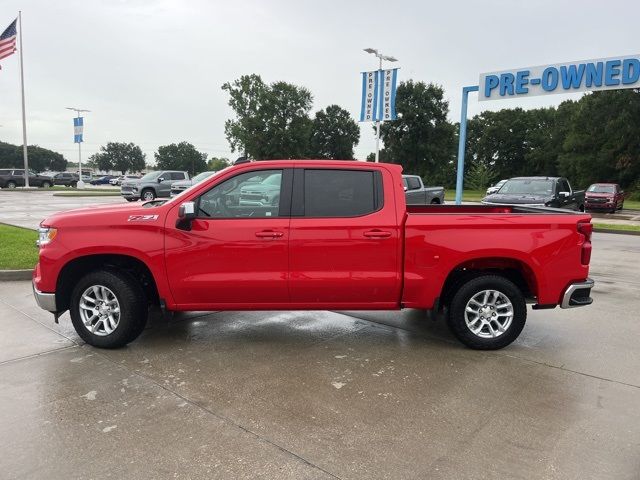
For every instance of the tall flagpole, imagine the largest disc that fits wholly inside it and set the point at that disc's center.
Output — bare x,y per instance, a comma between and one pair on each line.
24,118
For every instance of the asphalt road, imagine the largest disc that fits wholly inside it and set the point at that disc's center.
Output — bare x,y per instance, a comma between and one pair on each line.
329,394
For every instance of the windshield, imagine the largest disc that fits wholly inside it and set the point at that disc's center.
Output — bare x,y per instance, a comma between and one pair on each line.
528,186
602,189
202,176
150,176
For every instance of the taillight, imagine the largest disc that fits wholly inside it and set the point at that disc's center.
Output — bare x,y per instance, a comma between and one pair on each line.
586,229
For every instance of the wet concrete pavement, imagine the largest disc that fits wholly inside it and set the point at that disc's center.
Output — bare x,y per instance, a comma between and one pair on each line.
328,394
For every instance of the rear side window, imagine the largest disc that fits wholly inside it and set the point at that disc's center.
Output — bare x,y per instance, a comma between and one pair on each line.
5,172
177,176
341,193
413,183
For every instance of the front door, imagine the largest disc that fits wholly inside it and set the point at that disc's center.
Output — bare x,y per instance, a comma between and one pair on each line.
236,252
344,247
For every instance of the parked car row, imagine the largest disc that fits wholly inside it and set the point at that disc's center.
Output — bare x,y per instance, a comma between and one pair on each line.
555,192
14,177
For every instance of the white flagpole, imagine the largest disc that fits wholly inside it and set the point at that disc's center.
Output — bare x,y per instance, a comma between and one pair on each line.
24,119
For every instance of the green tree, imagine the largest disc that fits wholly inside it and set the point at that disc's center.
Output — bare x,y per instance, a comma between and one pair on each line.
479,176
40,159
334,134
181,156
122,157
215,163
421,139
271,121
603,139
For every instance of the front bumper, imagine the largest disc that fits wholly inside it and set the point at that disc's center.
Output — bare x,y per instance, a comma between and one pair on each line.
578,294
46,301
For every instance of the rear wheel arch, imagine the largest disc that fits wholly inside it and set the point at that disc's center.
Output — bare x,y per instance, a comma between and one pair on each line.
77,268
517,271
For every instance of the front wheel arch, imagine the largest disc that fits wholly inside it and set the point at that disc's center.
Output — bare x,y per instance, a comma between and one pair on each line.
79,267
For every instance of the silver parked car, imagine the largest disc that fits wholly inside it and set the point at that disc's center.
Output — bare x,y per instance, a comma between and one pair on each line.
417,194
179,187
152,185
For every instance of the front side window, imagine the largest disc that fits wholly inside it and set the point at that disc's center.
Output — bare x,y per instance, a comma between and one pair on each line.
340,193
253,194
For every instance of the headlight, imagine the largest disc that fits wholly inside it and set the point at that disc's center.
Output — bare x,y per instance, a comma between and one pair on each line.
45,235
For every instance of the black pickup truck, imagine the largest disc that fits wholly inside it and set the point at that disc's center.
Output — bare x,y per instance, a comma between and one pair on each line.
538,191
14,177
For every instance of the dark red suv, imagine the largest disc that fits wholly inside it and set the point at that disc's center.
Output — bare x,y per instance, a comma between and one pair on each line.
604,196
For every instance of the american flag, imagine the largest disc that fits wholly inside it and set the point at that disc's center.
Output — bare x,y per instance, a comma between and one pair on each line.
8,40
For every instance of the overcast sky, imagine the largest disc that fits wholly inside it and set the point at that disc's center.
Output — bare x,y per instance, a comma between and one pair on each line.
151,70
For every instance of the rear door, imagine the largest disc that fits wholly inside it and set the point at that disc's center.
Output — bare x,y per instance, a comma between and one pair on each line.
235,255
344,246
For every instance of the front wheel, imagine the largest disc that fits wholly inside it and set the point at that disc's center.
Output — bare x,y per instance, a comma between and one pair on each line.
46,185
487,312
108,309
148,195
11,184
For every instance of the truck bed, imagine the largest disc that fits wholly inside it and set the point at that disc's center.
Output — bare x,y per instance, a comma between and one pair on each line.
486,209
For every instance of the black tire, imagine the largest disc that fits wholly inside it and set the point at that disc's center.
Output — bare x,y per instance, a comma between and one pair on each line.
11,184
131,299
147,195
463,296
131,199
435,201
46,184
74,185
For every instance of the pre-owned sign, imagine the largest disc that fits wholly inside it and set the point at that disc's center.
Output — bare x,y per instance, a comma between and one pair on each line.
601,74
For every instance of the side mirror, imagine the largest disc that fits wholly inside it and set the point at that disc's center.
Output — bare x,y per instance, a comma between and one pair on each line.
186,213
564,194
161,179
405,188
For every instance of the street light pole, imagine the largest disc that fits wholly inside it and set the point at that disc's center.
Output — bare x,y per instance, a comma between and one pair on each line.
80,182
389,59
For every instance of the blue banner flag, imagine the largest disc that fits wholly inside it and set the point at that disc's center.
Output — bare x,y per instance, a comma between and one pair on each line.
379,95
78,125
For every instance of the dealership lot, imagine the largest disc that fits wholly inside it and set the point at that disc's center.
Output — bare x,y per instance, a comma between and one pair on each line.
328,394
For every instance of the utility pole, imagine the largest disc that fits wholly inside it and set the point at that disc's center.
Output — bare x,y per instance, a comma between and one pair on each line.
25,154
79,142
388,59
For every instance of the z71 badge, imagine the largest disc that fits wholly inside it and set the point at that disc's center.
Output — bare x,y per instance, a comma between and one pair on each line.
142,218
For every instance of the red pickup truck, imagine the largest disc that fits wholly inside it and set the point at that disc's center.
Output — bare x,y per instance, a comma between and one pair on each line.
337,236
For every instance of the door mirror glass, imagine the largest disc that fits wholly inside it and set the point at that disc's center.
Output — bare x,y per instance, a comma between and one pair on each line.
161,179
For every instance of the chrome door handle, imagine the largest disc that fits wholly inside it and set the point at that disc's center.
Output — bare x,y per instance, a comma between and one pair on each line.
377,234
269,234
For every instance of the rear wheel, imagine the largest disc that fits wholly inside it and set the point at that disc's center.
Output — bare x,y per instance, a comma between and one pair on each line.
108,309
487,312
11,184
46,185
435,201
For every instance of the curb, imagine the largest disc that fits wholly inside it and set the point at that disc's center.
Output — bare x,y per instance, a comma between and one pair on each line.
13,275
618,232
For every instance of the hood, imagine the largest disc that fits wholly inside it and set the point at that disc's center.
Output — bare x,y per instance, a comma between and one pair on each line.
517,199
182,183
599,195
130,183
98,215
